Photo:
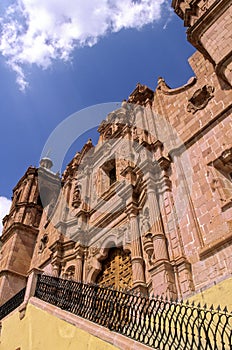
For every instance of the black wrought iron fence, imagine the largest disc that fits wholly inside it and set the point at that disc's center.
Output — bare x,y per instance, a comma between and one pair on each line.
155,322
12,303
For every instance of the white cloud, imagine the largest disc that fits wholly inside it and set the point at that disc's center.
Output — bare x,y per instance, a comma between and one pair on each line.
5,204
40,31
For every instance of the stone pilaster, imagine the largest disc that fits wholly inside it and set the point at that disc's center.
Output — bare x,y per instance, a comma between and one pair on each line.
56,258
161,270
137,261
27,189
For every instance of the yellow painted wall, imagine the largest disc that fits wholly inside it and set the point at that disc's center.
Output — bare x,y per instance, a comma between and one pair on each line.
39,330
220,294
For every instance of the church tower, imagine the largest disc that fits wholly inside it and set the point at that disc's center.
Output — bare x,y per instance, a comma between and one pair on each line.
209,31
21,227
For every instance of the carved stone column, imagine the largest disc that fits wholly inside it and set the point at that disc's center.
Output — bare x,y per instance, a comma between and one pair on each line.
181,266
137,261
79,262
161,270
56,258
156,227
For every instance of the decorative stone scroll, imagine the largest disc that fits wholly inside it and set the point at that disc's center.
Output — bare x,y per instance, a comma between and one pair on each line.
200,99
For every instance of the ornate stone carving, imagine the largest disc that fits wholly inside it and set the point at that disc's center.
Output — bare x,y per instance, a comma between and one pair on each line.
220,177
77,196
148,245
226,157
200,99
69,273
190,11
141,95
146,221
93,251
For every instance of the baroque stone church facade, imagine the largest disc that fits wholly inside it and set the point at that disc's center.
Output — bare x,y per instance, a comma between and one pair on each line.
148,208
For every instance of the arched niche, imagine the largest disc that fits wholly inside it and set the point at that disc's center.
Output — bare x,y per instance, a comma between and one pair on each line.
69,272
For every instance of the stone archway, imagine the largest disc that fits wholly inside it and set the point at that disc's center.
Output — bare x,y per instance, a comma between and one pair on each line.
116,270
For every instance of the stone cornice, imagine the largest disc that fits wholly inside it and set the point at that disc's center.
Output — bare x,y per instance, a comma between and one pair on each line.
11,272
22,204
98,229
118,188
104,219
215,246
45,174
20,227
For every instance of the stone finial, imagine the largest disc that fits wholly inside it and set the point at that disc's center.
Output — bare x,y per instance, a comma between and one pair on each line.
124,104
162,84
141,95
46,163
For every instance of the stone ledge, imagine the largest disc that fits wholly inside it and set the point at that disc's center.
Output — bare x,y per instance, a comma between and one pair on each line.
216,245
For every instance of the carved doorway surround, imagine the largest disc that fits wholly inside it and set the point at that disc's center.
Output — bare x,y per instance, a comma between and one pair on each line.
116,270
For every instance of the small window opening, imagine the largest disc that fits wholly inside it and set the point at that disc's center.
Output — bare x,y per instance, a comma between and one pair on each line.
112,175
109,169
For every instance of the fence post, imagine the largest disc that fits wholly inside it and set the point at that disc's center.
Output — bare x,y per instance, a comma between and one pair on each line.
30,289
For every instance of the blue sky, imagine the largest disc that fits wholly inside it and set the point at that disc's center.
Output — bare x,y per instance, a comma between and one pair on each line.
58,57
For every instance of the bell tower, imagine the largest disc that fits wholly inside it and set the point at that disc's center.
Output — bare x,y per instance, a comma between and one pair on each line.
21,226
19,234
209,31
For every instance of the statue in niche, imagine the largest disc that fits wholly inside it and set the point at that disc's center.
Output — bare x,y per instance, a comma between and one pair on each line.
146,221
135,135
77,196
43,243
51,208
